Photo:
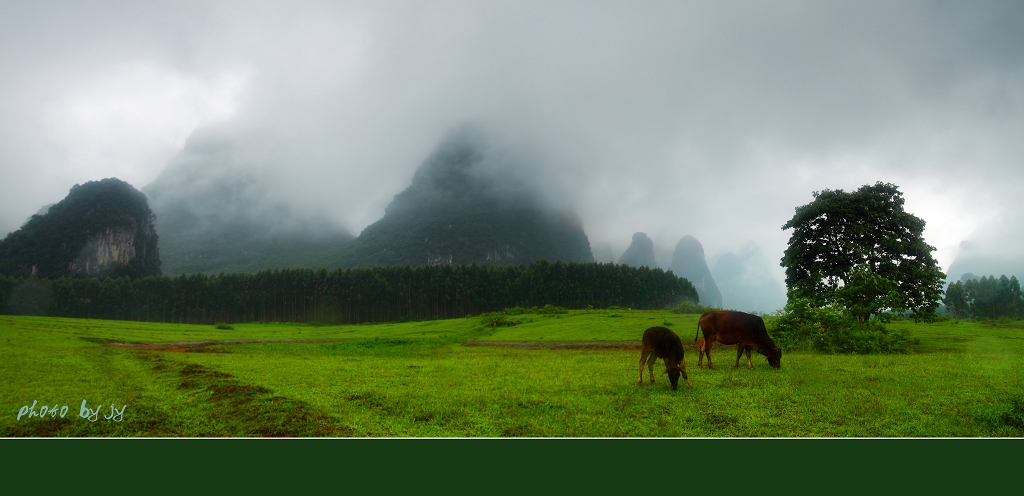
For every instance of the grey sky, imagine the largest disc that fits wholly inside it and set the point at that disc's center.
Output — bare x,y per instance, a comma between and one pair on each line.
714,119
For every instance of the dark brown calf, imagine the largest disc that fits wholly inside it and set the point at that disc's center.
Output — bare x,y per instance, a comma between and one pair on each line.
745,331
660,342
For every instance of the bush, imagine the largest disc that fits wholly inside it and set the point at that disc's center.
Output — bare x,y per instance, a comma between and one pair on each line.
829,330
518,310
550,309
497,319
222,325
690,307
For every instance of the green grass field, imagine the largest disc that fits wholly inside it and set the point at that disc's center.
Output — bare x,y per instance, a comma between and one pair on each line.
417,379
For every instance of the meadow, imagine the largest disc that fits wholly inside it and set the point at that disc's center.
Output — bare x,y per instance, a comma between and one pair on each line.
415,379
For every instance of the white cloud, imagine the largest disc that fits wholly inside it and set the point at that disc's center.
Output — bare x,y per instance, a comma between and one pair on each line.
129,120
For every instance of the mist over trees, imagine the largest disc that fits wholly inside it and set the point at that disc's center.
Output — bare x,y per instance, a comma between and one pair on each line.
603,253
989,256
217,210
987,297
746,282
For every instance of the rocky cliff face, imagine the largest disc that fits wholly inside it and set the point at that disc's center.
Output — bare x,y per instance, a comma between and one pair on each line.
102,228
640,252
116,246
688,262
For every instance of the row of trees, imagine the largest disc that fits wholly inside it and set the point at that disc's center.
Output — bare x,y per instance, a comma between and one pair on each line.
988,297
380,294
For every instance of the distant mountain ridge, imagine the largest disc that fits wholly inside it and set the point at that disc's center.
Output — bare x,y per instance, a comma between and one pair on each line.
102,228
216,212
688,262
460,210
640,252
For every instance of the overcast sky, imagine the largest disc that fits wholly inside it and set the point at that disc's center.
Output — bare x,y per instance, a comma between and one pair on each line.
714,118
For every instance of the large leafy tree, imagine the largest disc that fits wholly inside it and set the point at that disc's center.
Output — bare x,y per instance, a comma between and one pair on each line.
862,251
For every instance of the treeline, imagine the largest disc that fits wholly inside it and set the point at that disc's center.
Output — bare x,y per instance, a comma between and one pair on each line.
988,298
379,294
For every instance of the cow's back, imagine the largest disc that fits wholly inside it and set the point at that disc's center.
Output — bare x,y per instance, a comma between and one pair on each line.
662,342
729,327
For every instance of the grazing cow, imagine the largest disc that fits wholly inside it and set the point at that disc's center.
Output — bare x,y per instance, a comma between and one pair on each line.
659,342
742,329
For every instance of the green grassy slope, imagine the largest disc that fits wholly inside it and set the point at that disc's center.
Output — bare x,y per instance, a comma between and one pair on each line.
415,379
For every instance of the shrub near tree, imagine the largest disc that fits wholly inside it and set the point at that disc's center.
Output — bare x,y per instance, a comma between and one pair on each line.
802,325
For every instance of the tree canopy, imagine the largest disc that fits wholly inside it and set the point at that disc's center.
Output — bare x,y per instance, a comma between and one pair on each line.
862,251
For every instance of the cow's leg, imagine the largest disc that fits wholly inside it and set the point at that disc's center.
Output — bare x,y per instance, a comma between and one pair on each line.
650,366
643,358
739,353
708,343
749,363
682,369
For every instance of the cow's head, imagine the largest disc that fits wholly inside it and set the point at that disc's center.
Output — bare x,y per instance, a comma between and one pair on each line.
673,375
775,357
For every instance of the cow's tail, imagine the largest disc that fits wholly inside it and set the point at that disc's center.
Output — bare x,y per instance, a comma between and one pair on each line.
697,336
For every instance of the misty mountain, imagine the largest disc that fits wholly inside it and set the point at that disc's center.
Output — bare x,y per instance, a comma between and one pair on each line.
469,203
746,282
971,260
603,253
102,228
217,211
688,262
640,252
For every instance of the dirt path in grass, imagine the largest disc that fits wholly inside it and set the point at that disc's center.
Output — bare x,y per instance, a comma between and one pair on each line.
561,345
208,346
212,346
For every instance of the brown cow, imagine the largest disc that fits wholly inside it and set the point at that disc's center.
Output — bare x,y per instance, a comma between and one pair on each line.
660,342
742,329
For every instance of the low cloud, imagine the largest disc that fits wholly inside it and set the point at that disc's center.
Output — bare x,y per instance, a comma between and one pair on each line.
668,118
